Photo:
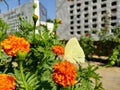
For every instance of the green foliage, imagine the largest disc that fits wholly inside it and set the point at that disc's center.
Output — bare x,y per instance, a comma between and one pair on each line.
31,79
3,29
34,73
87,43
115,56
89,79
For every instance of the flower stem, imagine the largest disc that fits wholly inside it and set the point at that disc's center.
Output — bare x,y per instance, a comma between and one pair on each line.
22,74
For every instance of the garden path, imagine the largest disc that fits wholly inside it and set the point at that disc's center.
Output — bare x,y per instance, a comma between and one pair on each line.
110,76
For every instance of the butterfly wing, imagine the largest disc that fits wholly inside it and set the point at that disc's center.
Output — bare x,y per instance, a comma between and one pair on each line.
73,52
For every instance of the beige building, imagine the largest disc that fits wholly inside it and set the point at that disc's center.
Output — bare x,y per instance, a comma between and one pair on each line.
81,16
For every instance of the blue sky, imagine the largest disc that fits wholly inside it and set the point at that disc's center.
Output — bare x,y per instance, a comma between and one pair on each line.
48,4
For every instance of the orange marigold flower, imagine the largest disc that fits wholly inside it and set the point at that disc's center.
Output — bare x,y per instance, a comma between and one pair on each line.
13,44
64,73
59,50
7,82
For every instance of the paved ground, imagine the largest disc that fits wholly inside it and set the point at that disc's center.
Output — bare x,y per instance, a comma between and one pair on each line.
110,76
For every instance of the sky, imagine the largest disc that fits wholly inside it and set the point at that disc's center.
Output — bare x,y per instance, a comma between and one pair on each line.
48,4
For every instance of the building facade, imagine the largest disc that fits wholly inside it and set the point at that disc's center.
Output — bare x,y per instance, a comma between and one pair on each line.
81,16
11,16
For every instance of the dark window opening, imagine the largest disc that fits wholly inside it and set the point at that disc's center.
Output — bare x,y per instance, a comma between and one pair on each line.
86,26
71,6
86,3
78,27
86,20
86,15
71,28
78,10
94,1
94,13
114,10
79,4
78,21
113,24
71,32
78,16
94,19
86,31
103,5
113,17
114,3
71,11
94,7
71,17
86,8
72,22
78,32
94,25
103,12
103,25
103,0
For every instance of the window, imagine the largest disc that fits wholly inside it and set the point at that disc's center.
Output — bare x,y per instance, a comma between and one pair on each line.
94,1
78,21
103,5
86,26
78,10
79,4
114,10
113,17
114,3
72,22
94,7
103,12
94,19
86,21
78,16
103,0
113,24
71,11
78,32
94,13
78,27
71,17
94,25
86,31
71,6
86,3
103,25
86,15
86,8
71,32
71,27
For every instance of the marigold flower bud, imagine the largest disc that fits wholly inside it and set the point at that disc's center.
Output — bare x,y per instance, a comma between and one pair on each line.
35,18
21,55
35,5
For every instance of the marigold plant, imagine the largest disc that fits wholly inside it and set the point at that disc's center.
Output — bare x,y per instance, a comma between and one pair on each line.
59,50
64,73
13,44
7,82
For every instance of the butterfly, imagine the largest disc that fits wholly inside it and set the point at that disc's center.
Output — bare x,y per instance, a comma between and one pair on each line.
74,52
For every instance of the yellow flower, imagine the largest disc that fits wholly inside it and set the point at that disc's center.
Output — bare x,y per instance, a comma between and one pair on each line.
13,44
7,82
59,50
64,73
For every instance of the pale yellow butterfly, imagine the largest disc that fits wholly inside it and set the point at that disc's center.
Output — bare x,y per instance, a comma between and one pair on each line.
73,52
